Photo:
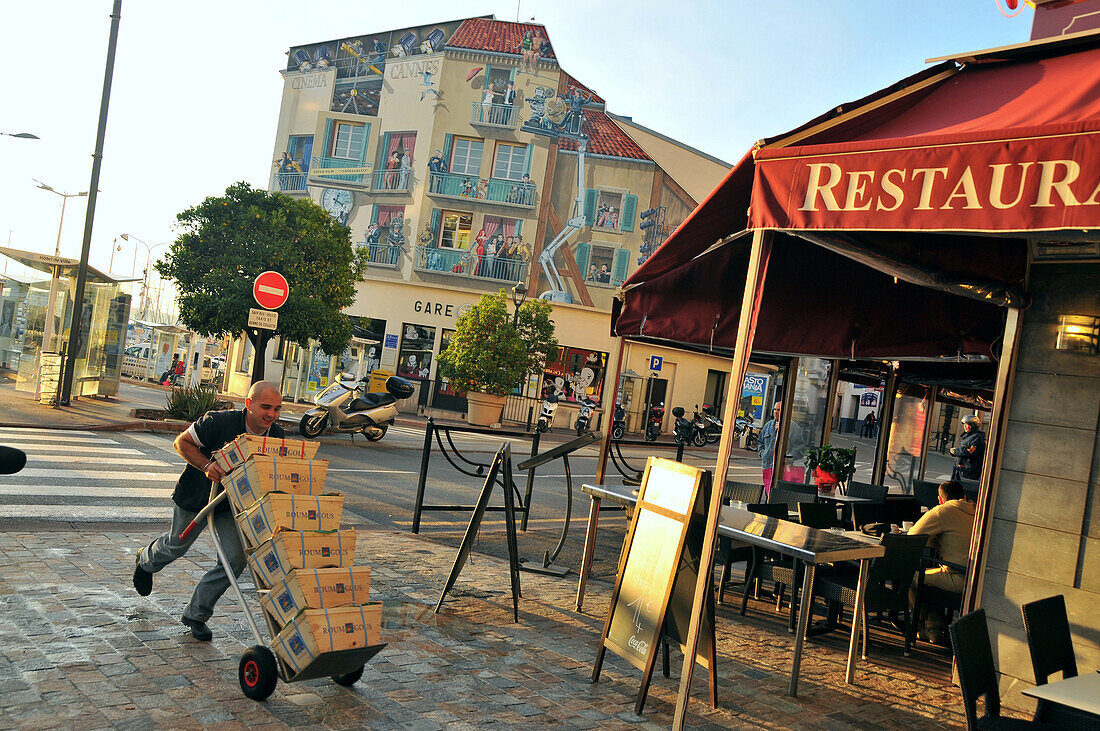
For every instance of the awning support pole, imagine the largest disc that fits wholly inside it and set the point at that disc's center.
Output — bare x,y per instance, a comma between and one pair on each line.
885,422
746,328
609,415
991,465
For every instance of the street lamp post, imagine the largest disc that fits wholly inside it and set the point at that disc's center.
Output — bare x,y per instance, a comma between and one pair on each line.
148,260
51,303
519,296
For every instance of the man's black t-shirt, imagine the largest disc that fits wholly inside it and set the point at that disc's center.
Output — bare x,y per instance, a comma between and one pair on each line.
214,431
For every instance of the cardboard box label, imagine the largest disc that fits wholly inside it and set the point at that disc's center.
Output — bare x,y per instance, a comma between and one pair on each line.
282,510
234,454
290,549
317,631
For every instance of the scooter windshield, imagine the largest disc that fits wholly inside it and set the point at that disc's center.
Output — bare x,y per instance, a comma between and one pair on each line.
331,394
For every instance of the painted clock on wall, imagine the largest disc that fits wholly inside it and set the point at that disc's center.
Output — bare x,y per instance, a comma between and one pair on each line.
338,204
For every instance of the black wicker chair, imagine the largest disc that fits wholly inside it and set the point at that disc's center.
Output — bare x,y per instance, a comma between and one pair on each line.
927,493
933,596
888,582
902,508
865,513
817,515
874,493
978,675
792,493
770,566
1048,638
743,492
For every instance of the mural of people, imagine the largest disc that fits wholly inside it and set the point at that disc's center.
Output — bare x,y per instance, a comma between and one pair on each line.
396,235
436,167
508,99
393,165
405,170
373,234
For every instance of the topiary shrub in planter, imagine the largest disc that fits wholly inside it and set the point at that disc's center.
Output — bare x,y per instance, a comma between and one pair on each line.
491,355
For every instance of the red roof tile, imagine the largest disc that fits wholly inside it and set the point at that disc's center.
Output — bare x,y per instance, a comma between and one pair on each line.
501,36
568,80
605,138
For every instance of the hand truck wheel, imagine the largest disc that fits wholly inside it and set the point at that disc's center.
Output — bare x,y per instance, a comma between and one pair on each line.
258,672
349,679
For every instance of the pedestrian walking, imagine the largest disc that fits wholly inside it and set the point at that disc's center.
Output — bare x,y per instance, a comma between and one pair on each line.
196,445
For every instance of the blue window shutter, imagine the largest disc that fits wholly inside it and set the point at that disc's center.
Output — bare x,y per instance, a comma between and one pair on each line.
485,81
622,261
447,151
328,138
374,213
437,217
519,226
382,158
630,205
590,206
584,249
527,159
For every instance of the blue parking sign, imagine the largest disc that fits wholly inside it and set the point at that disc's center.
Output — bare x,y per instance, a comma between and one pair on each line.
655,362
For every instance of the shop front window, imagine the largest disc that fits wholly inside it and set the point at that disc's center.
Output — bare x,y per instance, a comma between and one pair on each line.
576,373
414,358
806,415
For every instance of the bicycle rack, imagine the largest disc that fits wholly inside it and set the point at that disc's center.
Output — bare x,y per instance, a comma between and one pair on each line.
468,467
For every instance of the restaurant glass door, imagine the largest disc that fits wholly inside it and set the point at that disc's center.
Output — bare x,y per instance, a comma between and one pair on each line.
912,404
806,414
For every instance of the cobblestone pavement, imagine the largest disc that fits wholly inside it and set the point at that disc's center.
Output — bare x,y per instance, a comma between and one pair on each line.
80,650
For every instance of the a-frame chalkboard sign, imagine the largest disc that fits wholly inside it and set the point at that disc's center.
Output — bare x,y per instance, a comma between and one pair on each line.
657,574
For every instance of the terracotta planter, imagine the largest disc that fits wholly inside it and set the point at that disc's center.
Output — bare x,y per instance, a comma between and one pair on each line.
484,408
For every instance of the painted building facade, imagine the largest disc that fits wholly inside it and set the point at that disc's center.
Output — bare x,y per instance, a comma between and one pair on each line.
453,152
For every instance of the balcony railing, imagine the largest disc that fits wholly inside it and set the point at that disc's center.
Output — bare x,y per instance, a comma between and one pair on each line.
384,255
489,190
290,182
501,116
462,263
392,181
340,169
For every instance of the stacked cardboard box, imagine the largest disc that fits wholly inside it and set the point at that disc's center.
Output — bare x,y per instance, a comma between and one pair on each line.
315,598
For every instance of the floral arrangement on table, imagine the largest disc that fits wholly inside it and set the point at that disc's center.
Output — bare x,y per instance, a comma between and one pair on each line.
831,466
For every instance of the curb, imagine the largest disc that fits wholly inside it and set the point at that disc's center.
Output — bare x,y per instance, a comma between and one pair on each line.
163,427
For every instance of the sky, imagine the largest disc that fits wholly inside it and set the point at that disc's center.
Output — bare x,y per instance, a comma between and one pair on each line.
196,89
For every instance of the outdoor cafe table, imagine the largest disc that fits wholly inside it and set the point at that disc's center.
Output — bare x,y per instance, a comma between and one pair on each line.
1080,693
809,545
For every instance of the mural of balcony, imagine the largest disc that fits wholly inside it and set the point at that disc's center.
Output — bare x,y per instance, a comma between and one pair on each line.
462,263
391,181
494,116
292,182
386,256
340,170
454,186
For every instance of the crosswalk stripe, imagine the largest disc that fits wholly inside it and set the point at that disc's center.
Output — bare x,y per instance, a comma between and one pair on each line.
86,491
68,449
58,474
19,439
87,513
36,459
10,430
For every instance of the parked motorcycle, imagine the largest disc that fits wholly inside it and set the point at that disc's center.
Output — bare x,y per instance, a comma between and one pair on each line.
546,415
743,425
656,421
712,425
346,408
618,424
688,431
585,415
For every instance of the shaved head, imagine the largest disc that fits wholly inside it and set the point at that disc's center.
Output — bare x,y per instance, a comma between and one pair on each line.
262,406
264,388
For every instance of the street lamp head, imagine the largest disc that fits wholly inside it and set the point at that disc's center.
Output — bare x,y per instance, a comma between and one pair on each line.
43,186
21,135
519,294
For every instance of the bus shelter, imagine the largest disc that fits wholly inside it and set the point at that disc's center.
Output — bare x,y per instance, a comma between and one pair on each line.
104,315
905,234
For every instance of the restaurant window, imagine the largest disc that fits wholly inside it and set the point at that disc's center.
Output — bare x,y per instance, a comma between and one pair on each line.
466,156
806,415
573,373
372,332
510,162
414,359
348,140
455,230
903,453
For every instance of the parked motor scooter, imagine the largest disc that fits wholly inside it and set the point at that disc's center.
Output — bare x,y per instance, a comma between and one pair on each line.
712,425
346,408
585,415
688,431
546,415
743,425
655,423
618,424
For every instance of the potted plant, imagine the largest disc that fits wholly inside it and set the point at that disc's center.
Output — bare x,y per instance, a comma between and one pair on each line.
831,466
491,351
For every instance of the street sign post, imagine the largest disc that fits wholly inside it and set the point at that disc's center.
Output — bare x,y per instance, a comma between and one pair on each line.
263,319
270,290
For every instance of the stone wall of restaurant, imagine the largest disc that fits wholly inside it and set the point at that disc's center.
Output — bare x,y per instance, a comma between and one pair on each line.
1045,537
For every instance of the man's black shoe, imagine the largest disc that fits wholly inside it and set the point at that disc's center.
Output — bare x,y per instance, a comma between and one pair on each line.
199,630
143,580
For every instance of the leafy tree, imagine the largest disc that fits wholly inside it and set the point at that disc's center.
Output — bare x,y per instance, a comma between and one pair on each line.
489,353
228,240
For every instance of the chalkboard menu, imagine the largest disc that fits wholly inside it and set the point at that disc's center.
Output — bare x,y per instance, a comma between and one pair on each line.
657,569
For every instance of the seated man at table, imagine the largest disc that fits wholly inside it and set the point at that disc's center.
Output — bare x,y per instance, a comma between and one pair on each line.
949,527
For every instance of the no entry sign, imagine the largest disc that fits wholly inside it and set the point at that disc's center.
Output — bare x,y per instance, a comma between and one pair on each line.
271,290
